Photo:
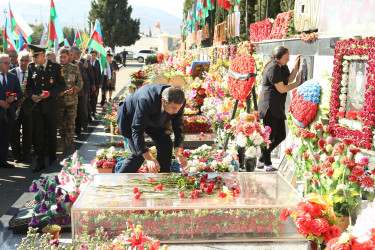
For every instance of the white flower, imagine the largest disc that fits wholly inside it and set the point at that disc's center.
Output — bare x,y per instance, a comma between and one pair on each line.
231,168
214,165
342,97
192,169
345,69
227,160
100,152
345,63
343,103
241,140
341,186
259,152
195,162
344,83
345,77
258,139
201,166
371,166
344,90
109,156
190,164
344,238
233,122
112,150
243,116
307,175
252,136
341,109
250,152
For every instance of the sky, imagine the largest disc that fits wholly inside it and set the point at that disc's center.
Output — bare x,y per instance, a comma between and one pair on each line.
173,7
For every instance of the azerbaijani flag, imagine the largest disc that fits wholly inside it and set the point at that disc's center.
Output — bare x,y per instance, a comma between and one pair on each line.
157,25
22,44
8,41
96,43
19,26
54,27
66,43
77,38
43,39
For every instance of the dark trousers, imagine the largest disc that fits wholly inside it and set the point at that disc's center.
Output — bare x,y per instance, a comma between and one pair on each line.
24,120
6,126
82,119
104,89
45,129
164,155
93,101
278,135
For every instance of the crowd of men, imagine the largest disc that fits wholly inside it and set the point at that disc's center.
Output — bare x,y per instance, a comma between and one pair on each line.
39,96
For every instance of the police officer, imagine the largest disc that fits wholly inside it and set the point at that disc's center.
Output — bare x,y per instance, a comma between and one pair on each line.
45,80
68,107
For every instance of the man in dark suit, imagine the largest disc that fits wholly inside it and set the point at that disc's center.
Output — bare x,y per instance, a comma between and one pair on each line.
98,74
45,80
156,109
23,114
10,92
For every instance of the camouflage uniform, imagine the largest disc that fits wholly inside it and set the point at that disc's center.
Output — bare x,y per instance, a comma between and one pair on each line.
68,104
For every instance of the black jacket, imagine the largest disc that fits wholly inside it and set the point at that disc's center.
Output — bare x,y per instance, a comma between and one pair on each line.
27,103
50,79
141,112
12,86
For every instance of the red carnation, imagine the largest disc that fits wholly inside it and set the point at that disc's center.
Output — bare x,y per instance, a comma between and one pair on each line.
329,171
347,141
354,151
315,168
269,228
357,171
137,196
260,229
7,93
319,226
333,232
345,160
285,213
367,181
288,151
135,190
46,93
243,229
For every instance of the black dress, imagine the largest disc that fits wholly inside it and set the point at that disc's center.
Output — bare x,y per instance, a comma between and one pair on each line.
112,85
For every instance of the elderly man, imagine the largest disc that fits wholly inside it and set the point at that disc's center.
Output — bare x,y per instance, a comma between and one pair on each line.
155,109
51,56
13,59
45,80
24,117
10,91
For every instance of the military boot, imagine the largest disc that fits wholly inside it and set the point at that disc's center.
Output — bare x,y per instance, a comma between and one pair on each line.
62,145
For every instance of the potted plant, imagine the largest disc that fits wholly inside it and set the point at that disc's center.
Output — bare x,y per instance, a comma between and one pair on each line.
51,201
105,160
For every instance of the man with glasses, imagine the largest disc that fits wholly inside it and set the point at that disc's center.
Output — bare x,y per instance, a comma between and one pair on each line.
23,117
13,59
10,92
45,80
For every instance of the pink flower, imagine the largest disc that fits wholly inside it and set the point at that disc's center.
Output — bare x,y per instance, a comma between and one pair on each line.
75,156
63,163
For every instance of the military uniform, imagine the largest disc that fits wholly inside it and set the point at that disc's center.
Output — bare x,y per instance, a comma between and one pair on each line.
68,107
51,79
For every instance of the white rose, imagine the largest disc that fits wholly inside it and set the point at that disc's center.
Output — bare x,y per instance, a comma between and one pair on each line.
250,152
201,166
344,90
345,77
259,152
192,170
252,137
227,160
343,103
342,97
109,156
112,150
241,140
345,69
258,139
345,63
100,152
214,164
231,168
344,83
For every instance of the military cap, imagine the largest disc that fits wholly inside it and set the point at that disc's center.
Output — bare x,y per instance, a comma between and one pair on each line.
37,49
93,51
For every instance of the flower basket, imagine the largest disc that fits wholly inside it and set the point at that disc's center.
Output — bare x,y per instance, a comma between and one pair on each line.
138,82
241,76
54,230
105,170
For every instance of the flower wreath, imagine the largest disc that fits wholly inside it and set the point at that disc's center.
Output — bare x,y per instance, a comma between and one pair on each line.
353,50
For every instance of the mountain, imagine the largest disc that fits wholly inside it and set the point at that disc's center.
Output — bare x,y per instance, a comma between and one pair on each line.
72,13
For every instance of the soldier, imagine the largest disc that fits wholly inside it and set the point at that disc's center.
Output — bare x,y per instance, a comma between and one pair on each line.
23,117
68,110
45,80
13,59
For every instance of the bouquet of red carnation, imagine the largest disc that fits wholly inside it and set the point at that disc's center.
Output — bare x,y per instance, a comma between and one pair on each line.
314,218
160,57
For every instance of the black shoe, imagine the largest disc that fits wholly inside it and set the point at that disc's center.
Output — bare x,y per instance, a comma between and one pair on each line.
18,159
39,167
6,165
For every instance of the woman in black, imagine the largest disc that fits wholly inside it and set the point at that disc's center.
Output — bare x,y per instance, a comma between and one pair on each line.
277,80
114,68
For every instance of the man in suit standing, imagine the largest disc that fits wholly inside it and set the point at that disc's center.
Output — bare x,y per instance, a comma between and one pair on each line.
13,59
156,109
24,117
45,80
98,75
10,92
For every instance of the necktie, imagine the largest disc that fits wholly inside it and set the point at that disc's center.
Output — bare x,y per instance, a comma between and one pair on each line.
4,80
41,68
22,77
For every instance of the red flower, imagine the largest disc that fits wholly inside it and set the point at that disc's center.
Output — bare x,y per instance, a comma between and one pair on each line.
367,181
159,187
137,196
354,151
347,141
135,190
357,171
181,194
269,228
46,93
260,229
331,233
288,151
319,226
329,171
315,168
262,216
7,93
243,229
285,213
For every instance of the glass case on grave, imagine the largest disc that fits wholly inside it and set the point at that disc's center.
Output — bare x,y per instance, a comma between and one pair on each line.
252,215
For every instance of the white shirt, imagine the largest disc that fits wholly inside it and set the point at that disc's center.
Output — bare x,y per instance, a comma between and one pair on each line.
2,78
107,71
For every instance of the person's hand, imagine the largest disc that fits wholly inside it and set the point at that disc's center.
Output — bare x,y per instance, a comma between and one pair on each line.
10,99
181,159
69,92
153,166
296,62
100,86
4,104
109,81
93,88
35,98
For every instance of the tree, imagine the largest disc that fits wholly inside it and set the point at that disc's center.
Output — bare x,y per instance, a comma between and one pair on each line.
273,9
285,5
69,34
37,34
117,26
187,6
250,18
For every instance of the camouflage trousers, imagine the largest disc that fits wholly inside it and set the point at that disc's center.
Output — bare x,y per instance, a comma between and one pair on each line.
66,120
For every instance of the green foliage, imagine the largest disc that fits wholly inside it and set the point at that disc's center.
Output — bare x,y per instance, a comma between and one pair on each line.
117,26
69,34
273,9
151,59
285,5
37,34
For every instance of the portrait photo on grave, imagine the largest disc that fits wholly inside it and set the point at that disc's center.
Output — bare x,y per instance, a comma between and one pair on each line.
356,85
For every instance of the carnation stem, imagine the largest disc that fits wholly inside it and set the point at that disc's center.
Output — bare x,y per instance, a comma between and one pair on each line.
312,152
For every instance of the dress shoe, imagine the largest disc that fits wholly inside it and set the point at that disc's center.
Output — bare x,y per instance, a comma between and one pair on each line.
39,167
6,165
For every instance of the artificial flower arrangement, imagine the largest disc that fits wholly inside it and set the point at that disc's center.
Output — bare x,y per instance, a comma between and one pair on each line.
360,130
260,31
333,169
51,201
194,124
282,25
314,218
139,76
250,134
361,236
105,158
307,37
218,111
207,159
196,94
73,175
